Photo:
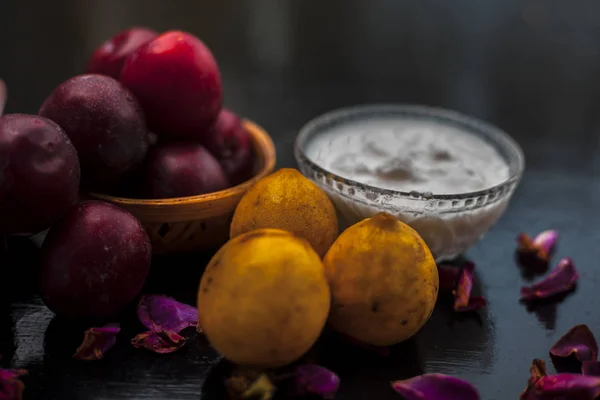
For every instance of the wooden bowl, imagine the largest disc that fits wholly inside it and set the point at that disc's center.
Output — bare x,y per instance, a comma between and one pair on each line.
197,223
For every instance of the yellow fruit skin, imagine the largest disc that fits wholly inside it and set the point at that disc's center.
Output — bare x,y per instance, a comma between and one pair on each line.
263,299
289,201
383,279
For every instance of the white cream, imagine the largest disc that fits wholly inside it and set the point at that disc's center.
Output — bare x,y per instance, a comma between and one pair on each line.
413,155
409,155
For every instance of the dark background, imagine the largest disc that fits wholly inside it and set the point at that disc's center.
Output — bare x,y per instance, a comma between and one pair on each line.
530,67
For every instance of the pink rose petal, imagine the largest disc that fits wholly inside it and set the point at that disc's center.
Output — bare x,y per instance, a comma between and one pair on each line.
96,342
546,240
540,247
562,279
163,313
11,387
462,295
448,275
590,368
314,379
536,371
578,341
566,387
161,342
435,387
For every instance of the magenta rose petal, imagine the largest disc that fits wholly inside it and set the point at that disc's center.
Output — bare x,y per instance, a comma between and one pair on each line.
96,342
578,341
536,371
162,342
435,387
448,275
163,313
540,247
11,387
562,279
590,368
314,379
165,317
463,301
566,386
546,241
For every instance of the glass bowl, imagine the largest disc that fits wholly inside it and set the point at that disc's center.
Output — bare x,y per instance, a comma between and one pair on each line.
449,223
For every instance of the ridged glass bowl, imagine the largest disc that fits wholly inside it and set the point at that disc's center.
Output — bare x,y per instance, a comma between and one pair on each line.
449,223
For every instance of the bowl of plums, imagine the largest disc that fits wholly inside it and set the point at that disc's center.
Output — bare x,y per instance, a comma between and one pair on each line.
141,140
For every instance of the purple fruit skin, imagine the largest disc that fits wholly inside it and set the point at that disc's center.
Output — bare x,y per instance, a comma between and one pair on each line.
231,144
180,170
94,261
105,123
39,173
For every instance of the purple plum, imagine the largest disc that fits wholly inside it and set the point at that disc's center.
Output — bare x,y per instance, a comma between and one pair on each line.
94,261
179,169
231,144
39,173
105,123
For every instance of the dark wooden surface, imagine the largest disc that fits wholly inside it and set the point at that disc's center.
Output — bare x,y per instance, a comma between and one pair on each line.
530,67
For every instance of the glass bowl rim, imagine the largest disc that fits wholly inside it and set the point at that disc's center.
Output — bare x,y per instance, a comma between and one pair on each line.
498,136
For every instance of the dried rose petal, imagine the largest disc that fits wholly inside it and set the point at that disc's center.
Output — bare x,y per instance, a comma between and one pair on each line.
536,371
591,368
578,341
163,313
448,275
462,295
435,387
161,342
566,386
465,284
96,342
546,241
314,379
475,303
11,387
165,317
541,246
525,243
561,279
